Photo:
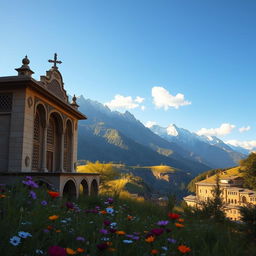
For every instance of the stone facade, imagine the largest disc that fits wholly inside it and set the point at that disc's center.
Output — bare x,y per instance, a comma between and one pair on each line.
233,195
38,131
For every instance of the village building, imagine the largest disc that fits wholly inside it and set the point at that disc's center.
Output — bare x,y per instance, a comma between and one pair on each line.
38,132
233,195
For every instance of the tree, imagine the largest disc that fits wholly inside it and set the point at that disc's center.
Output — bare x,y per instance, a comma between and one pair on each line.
249,168
213,208
248,216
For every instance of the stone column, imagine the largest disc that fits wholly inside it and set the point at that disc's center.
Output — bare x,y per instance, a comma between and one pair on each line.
62,152
44,150
72,153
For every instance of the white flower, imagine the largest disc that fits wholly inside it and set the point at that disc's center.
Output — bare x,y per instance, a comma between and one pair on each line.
15,240
164,248
113,224
105,239
127,241
109,210
23,234
39,251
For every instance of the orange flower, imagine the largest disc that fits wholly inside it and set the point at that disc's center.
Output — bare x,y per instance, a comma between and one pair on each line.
109,243
184,249
103,212
57,230
181,220
2,196
154,251
70,251
111,249
178,225
53,194
49,227
53,217
150,239
80,250
120,232
129,217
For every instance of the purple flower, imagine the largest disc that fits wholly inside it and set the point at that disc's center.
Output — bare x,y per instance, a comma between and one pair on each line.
30,183
162,223
44,203
171,240
110,200
104,231
70,205
32,194
107,222
80,238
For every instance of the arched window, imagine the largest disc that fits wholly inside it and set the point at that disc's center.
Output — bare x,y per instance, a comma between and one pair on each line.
69,189
68,147
244,200
54,132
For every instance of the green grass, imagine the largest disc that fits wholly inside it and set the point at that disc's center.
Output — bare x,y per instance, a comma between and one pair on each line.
21,213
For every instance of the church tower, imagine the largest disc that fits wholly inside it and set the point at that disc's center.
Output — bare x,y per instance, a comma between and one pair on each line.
38,127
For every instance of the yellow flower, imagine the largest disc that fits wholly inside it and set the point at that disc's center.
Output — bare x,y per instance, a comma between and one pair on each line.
53,217
150,239
70,251
120,232
178,225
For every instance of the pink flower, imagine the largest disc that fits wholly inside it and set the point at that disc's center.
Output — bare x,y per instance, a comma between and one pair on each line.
56,251
157,231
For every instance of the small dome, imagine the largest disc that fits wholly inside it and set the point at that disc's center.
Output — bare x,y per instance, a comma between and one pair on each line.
25,61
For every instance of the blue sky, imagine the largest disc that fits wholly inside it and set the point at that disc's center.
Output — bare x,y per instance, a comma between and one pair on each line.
204,50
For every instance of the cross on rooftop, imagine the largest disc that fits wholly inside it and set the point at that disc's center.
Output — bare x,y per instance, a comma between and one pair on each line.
55,61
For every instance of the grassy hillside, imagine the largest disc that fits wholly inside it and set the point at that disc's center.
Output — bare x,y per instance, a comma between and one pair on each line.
211,176
141,180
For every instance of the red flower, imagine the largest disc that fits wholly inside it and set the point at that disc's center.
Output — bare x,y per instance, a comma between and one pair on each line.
157,231
56,251
173,216
102,246
53,194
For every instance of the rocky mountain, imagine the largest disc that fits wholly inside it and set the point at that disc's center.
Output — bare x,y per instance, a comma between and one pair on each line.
112,136
209,150
119,137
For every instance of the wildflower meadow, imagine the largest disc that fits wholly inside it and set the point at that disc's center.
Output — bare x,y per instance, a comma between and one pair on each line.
36,221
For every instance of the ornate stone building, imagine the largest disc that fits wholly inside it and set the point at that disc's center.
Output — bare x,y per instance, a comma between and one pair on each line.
233,195
38,131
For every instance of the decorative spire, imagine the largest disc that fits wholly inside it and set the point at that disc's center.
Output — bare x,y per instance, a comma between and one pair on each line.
25,70
73,103
55,61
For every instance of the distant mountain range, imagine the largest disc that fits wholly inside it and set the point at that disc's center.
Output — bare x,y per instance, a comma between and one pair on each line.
119,137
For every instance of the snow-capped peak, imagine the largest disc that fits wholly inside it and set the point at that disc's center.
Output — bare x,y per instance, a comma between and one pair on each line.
172,130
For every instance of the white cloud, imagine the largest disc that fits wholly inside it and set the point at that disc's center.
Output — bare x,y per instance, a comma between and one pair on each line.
250,144
163,99
149,124
122,102
224,129
244,128
139,99
143,108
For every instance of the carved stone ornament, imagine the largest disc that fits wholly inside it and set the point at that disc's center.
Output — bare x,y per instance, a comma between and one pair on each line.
27,161
30,102
53,81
